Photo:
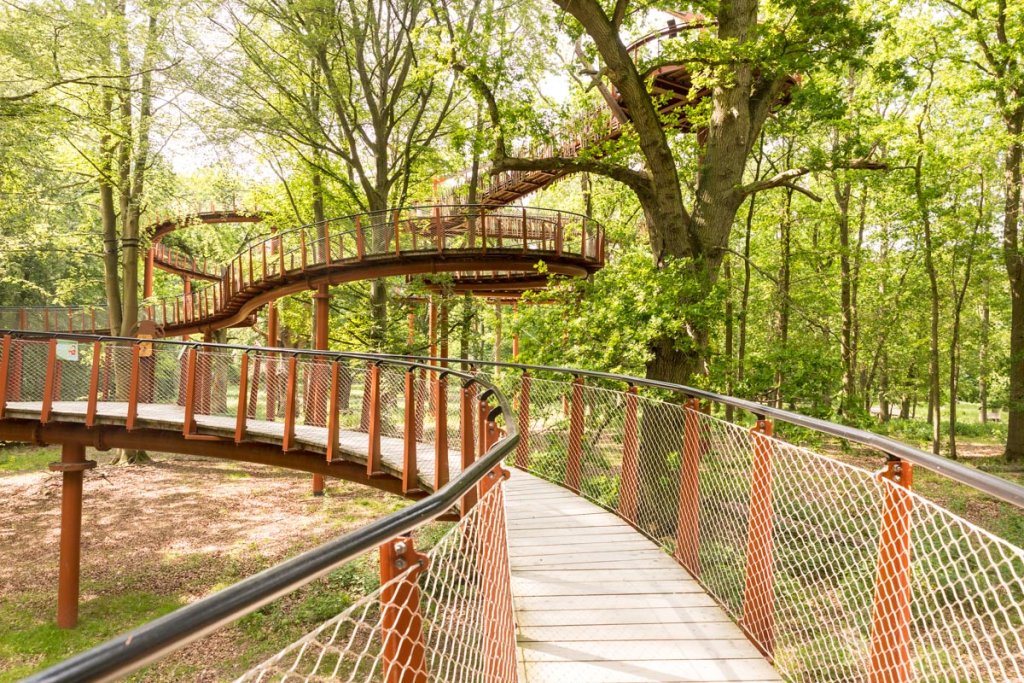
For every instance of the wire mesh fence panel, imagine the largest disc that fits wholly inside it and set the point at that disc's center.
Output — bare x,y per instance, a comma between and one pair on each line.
446,617
835,572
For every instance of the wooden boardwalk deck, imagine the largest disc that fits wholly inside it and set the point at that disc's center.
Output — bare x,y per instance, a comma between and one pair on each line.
596,602
352,444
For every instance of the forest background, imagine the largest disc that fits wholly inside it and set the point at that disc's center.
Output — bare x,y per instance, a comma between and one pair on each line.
857,260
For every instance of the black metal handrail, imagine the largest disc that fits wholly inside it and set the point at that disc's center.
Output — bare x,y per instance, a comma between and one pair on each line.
982,481
131,651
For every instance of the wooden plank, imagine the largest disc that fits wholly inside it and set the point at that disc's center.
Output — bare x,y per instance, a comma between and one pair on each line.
652,671
528,603
596,615
709,630
638,650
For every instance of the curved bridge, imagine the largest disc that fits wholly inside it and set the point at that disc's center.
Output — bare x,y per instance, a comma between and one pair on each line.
474,244
640,539
173,261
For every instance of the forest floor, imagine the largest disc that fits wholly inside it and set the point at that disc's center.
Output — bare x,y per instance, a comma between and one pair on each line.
161,536
1002,519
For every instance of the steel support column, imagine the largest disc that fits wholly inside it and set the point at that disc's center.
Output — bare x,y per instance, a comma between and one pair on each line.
321,333
72,464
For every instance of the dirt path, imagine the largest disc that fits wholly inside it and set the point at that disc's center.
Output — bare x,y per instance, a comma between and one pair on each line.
170,531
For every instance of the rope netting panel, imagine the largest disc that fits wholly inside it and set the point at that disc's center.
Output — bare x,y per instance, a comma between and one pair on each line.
444,616
835,572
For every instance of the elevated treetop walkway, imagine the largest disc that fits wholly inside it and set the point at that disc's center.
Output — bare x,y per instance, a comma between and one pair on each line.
487,251
643,538
829,571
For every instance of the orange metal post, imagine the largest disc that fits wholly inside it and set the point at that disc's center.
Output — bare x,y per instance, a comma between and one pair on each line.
288,439
13,380
94,385
499,636
409,465
629,479
360,241
466,447
440,432
890,614
404,649
758,617
242,413
523,449
72,465
524,230
49,380
373,423
318,371
574,465
191,361
5,366
332,411
688,517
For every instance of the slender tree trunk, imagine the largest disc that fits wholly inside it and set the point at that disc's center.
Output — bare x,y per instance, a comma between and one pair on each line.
842,191
934,392
983,362
782,325
730,374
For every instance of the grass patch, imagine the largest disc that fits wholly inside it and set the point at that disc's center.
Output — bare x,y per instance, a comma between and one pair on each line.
29,639
16,459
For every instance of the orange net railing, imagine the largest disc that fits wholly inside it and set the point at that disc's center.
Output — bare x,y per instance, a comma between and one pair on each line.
445,615
835,572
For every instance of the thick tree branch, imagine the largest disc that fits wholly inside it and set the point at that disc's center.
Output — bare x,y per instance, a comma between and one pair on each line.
786,178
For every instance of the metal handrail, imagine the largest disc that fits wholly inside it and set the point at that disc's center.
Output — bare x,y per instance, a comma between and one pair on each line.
131,651
982,481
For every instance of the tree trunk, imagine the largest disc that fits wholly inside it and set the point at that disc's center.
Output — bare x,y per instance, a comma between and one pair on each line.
730,360
782,325
934,395
1015,272
842,191
983,362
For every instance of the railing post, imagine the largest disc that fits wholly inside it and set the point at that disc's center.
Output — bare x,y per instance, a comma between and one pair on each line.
373,423
94,385
404,651
72,465
629,480
332,411
758,617
49,380
523,449
242,412
574,463
13,380
466,450
360,240
440,432
493,566
5,374
688,517
409,464
189,425
890,613
291,388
